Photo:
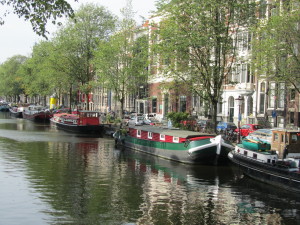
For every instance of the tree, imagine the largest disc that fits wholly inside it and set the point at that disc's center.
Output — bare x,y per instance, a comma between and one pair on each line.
122,60
11,78
37,73
276,46
197,44
38,12
78,40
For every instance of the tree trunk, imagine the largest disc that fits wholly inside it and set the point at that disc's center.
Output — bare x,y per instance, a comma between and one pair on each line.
214,115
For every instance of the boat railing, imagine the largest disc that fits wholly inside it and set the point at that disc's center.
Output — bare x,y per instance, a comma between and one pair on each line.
254,159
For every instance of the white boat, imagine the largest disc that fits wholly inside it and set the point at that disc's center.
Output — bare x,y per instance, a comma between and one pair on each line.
279,166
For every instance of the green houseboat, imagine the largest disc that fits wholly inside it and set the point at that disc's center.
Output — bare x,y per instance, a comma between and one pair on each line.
174,144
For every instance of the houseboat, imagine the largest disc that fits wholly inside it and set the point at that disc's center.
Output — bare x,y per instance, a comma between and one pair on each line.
17,110
278,165
174,144
83,122
37,113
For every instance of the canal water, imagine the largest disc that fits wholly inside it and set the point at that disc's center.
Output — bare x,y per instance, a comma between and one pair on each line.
48,176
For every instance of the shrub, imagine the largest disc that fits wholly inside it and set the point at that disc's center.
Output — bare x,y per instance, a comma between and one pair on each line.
177,117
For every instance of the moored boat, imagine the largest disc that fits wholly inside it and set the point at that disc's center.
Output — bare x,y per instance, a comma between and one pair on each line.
174,144
37,113
278,166
4,107
83,122
15,112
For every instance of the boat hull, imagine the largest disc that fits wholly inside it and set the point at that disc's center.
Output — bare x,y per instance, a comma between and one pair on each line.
80,129
179,151
267,173
16,114
38,117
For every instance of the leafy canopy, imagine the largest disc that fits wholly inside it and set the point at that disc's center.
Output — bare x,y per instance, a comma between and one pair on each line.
39,12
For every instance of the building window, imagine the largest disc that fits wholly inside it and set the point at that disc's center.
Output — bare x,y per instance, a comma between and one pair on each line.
262,9
154,105
281,95
272,95
262,98
182,103
292,115
231,108
275,137
294,138
292,94
241,73
250,106
220,105
280,121
243,41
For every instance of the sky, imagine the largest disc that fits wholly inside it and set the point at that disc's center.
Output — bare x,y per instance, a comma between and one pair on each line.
17,37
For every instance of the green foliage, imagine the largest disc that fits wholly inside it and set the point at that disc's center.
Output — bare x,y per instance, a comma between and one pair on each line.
276,46
77,42
121,60
11,76
177,117
39,12
195,40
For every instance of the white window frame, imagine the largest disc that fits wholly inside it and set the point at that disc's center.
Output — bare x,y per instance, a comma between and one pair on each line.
162,137
138,133
150,135
176,139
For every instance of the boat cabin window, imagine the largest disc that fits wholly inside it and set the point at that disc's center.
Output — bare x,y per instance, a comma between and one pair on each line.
162,137
294,138
281,138
138,134
245,153
275,137
176,139
254,156
150,135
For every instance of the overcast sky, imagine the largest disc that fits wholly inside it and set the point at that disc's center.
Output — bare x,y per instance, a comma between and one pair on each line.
17,37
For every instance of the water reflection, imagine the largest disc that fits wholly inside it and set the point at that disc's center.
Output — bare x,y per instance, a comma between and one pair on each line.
53,177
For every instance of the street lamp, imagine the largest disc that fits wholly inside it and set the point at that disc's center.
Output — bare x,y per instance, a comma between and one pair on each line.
239,101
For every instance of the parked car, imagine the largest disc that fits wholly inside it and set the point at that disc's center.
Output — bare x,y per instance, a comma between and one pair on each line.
136,121
204,124
191,121
150,121
226,126
246,129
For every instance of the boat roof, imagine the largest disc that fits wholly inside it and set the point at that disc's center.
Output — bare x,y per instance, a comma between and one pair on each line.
175,132
285,130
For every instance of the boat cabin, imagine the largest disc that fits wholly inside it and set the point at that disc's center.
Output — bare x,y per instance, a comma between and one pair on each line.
286,139
165,135
89,117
